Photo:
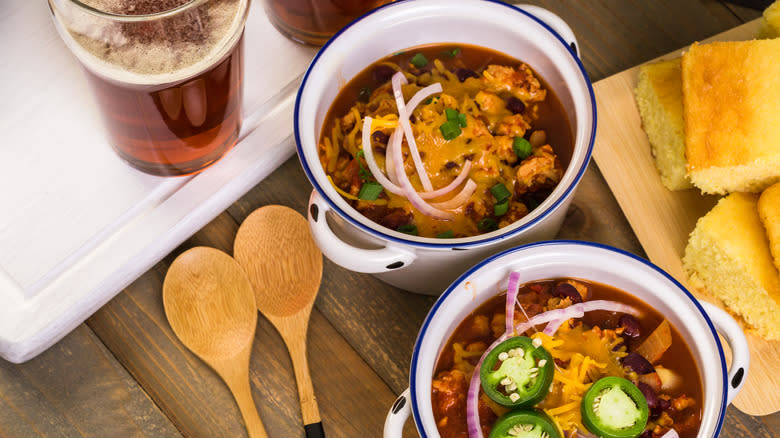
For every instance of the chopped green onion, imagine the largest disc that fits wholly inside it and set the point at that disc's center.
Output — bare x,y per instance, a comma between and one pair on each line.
450,130
427,101
500,192
501,209
363,173
452,53
364,95
522,148
370,191
446,235
454,116
487,224
419,60
408,229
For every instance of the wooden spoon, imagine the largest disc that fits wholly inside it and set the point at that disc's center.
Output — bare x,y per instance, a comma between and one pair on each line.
284,265
211,307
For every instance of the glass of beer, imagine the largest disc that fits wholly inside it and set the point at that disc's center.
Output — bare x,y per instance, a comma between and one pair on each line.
313,22
167,76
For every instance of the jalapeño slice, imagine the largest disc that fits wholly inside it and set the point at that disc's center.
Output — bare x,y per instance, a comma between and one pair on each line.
517,373
524,424
614,407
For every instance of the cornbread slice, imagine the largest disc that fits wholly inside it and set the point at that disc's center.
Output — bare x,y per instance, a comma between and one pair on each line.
770,25
731,108
769,212
659,99
728,256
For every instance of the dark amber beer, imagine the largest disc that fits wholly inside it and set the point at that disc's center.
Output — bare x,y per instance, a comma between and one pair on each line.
314,21
167,76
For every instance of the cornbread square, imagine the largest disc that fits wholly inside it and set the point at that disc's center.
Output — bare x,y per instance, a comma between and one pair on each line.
659,99
770,25
731,108
728,256
769,212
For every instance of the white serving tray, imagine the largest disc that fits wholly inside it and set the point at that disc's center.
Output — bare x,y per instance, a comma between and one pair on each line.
77,224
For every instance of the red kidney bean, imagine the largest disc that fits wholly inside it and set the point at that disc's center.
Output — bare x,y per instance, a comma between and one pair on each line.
515,105
464,73
630,326
651,397
380,137
383,73
565,290
638,363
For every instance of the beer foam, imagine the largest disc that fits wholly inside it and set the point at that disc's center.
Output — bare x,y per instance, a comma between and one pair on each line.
154,52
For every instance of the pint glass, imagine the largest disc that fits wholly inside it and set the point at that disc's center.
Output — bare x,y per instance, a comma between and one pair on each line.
314,21
167,76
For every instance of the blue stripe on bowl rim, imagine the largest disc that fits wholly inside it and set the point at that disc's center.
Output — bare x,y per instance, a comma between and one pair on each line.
446,245
512,251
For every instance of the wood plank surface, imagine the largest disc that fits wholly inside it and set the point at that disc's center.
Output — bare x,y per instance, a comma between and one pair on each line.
196,399
663,219
76,389
136,379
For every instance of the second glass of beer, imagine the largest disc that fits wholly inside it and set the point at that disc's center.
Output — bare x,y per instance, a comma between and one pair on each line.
167,76
313,22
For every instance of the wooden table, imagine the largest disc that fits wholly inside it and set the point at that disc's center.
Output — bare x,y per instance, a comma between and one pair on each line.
123,373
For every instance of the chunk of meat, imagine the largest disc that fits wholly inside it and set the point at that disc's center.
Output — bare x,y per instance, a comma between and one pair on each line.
682,402
504,150
348,122
448,393
480,327
542,170
512,126
489,103
351,175
519,82
517,211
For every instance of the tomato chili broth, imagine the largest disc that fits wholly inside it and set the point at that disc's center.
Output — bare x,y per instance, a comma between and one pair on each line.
480,213
678,353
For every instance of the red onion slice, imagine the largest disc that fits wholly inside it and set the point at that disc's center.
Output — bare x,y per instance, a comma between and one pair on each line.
460,198
472,396
394,142
372,166
512,290
554,325
670,434
464,173
408,191
421,95
403,118
575,311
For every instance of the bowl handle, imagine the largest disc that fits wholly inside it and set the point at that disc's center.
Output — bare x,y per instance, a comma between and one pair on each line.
369,261
396,418
554,22
735,337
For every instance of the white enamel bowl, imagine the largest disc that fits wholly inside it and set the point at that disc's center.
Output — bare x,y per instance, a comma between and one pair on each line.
527,33
698,323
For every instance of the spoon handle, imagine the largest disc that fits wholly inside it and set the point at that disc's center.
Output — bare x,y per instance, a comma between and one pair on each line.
239,386
309,408
314,430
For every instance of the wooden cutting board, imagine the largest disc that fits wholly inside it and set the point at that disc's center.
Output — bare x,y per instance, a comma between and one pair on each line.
662,219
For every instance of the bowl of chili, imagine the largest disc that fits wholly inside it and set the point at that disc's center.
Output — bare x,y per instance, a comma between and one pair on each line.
567,338
518,150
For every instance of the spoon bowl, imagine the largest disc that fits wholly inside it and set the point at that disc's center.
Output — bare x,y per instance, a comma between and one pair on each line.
277,251
210,306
